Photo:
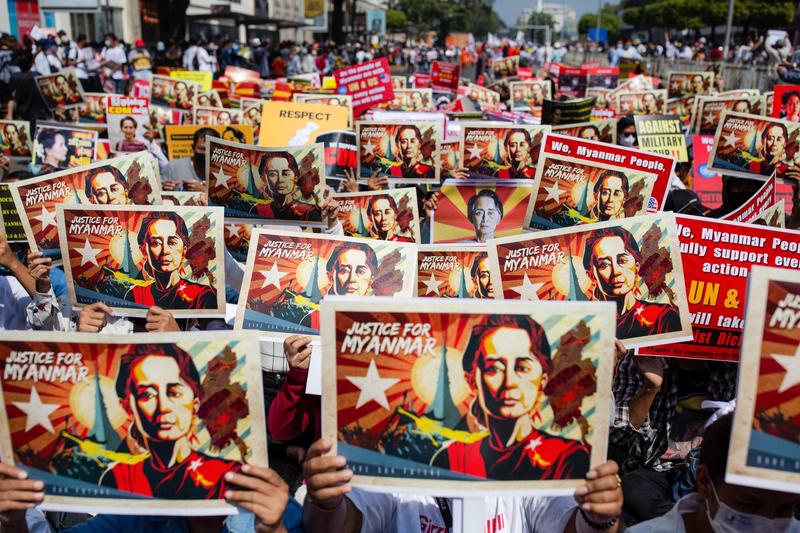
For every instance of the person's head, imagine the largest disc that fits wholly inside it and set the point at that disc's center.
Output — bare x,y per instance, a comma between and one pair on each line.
698,84
180,91
106,186
159,387
11,134
352,268
382,213
81,40
736,191
408,141
773,139
224,118
649,103
611,259
481,277
110,40
163,239
507,362
199,145
128,127
518,146
139,43
741,106
54,145
610,192
791,103
280,171
485,211
203,100
62,85
590,133
732,507
626,132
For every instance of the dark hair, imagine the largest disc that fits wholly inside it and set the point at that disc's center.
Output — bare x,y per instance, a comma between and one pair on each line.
378,197
18,175
236,133
154,217
405,127
715,447
627,240
612,174
135,124
47,138
789,94
523,131
772,125
202,133
540,347
473,272
105,169
262,167
489,194
372,259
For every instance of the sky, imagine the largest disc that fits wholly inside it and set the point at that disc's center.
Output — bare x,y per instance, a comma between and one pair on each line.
509,10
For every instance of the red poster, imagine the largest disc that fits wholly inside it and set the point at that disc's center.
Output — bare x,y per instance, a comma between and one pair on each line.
368,83
763,199
422,80
786,102
633,159
717,256
444,76
525,73
707,183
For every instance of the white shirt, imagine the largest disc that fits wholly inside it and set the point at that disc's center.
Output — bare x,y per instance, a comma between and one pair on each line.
188,57
116,55
206,62
84,61
402,513
14,300
41,64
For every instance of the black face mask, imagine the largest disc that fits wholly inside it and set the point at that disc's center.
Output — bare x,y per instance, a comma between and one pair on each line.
199,160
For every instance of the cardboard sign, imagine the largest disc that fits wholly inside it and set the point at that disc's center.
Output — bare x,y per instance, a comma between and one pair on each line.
63,147
368,83
501,150
708,110
127,120
786,103
764,198
530,94
180,139
690,83
452,271
9,217
387,215
15,139
604,131
173,92
202,79
62,89
642,102
662,134
706,183
403,152
298,124
444,76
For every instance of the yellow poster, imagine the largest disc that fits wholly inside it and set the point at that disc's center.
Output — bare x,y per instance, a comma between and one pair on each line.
314,8
294,124
181,138
204,79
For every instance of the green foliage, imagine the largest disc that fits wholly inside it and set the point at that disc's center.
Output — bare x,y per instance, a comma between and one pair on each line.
446,16
608,20
395,19
539,18
697,14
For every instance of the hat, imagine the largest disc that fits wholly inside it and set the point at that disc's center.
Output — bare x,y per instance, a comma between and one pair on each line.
139,43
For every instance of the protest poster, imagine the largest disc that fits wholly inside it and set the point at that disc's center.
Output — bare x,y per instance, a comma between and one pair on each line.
764,198
597,130
717,258
208,99
239,74
444,76
500,149
482,95
139,89
203,79
600,95
399,82
298,124
341,153
570,192
9,217
505,67
764,451
652,102
15,139
450,158
415,100
161,117
173,92
682,108
185,198
786,103
634,262
93,109
769,100
288,274
212,116
662,134
453,271
708,111
631,67
690,83
602,77
283,185
403,152
773,216
128,119
128,179
367,83
251,113
70,418
572,81
474,211
706,183
526,95
752,146
181,138
62,89
386,215
134,257
59,147
567,112
408,393
237,240
337,100
419,80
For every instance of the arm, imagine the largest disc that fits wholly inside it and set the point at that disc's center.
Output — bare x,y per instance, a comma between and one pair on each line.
292,411
599,500
17,495
639,406
326,507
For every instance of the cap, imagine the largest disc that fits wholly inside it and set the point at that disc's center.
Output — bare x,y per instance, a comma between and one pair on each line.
139,43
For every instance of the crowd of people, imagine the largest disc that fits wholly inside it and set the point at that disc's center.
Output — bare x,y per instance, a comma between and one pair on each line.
665,472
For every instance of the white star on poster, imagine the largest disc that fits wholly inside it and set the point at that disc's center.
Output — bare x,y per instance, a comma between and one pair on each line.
194,465
730,139
47,218
272,277
790,363
432,285
221,178
676,86
369,148
475,152
709,117
372,387
553,192
37,413
88,254
528,290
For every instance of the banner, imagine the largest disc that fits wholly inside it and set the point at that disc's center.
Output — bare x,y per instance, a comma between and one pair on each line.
62,89
180,139
83,413
662,134
134,257
298,124
60,147
127,119
386,215
403,152
690,83
289,273
706,183
283,185
717,258
500,149
414,399
634,262
452,271
445,76
367,83
203,80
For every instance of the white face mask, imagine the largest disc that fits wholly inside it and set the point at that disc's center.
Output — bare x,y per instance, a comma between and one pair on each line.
728,520
628,140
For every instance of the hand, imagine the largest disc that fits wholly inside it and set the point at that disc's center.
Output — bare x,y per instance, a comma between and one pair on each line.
94,317
431,203
266,496
17,494
619,350
193,185
652,370
39,269
297,350
601,496
160,320
5,162
327,479
7,257
459,173
350,183
377,183
330,211
169,185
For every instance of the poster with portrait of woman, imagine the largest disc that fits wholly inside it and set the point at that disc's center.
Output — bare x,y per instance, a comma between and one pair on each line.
208,99
128,122
453,271
146,423
15,139
386,215
604,130
173,92
216,116
57,147
501,149
134,257
418,401
642,102
282,185
62,89
93,109
403,152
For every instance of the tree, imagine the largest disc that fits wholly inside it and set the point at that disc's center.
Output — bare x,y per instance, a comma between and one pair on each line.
539,18
608,20
395,19
699,14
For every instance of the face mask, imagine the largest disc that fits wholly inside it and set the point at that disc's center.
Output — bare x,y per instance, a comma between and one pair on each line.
65,40
108,44
728,520
199,160
628,140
